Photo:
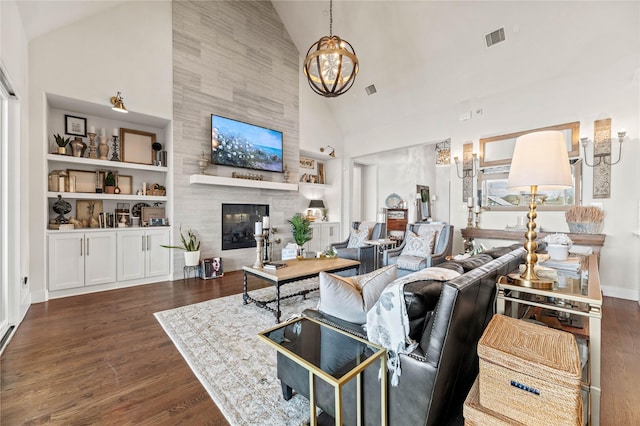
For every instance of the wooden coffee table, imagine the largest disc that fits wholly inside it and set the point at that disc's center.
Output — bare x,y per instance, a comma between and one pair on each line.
295,270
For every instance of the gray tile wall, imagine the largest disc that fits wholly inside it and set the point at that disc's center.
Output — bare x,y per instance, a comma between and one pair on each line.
235,59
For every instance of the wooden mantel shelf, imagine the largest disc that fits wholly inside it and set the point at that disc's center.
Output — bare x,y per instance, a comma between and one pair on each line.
246,183
594,240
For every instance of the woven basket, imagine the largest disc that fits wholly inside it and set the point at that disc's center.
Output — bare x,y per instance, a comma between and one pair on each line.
530,373
477,415
585,227
157,192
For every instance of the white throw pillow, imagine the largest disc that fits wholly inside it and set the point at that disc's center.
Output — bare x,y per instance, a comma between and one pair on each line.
358,237
421,246
350,298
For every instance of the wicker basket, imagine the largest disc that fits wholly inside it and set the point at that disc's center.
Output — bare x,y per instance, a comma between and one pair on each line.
477,415
530,373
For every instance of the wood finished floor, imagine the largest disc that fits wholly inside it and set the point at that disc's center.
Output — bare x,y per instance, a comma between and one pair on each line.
104,359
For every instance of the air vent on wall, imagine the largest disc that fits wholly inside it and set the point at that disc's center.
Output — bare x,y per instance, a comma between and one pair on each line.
495,37
370,89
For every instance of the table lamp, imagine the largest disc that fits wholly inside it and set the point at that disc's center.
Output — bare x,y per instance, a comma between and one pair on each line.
540,162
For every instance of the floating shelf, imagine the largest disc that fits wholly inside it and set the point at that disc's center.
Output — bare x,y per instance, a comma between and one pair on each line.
105,196
246,183
107,164
314,185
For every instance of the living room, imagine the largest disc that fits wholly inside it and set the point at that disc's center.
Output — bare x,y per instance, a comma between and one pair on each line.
149,51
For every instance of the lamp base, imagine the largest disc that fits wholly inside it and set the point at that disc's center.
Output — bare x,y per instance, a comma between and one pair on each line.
540,283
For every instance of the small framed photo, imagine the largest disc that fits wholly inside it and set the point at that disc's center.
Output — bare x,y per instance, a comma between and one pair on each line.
136,146
307,163
157,221
125,183
76,126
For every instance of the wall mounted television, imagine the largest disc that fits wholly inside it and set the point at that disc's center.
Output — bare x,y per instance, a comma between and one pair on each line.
238,144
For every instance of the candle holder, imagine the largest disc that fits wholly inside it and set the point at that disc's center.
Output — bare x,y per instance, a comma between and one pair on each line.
470,217
267,245
114,142
92,146
477,214
259,238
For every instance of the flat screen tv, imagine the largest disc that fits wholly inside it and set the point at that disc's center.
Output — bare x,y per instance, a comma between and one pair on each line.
238,144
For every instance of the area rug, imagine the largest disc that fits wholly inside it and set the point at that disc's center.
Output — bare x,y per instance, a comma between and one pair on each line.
218,339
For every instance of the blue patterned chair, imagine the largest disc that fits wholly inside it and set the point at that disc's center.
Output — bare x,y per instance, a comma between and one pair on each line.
353,247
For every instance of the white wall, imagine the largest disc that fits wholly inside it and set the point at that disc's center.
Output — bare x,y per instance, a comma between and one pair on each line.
13,56
608,87
126,48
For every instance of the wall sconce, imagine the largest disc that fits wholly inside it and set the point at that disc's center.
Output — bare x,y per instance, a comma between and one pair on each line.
117,103
331,153
443,153
605,156
467,173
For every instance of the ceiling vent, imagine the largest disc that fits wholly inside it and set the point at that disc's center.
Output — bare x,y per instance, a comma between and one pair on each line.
495,37
370,90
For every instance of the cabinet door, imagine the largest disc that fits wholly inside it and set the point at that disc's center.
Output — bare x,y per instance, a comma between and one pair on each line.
157,258
330,234
66,261
100,258
315,244
131,255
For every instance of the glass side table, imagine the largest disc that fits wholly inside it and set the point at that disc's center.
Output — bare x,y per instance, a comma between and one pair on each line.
288,339
574,304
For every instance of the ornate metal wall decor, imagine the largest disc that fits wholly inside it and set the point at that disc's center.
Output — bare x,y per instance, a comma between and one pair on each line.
602,171
467,171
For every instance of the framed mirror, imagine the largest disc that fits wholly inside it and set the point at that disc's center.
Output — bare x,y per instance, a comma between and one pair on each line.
498,150
495,195
423,203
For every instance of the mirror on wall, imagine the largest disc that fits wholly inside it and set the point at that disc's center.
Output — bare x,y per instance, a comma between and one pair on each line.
498,150
492,184
423,203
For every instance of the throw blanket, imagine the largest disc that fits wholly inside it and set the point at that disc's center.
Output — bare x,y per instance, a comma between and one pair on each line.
388,322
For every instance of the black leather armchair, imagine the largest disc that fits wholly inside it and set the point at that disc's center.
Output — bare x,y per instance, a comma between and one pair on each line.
447,320
365,255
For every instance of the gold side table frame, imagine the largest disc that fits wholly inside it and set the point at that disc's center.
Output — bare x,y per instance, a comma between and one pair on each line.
337,383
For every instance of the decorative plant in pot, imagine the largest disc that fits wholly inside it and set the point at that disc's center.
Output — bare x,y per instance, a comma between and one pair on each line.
558,246
302,232
191,247
110,183
62,143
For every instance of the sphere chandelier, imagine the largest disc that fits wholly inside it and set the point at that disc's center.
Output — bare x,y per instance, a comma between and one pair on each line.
331,64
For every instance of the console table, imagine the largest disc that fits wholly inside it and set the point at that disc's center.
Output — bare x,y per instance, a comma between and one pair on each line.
595,241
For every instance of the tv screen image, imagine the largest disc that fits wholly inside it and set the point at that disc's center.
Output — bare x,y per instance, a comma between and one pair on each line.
238,144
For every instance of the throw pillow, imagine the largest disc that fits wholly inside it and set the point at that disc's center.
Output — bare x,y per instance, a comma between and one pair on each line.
349,298
358,237
421,246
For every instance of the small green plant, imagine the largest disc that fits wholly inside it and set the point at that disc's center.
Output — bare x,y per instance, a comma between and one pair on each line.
301,229
189,243
61,141
110,179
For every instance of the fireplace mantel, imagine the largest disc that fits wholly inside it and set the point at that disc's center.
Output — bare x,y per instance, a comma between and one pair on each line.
246,183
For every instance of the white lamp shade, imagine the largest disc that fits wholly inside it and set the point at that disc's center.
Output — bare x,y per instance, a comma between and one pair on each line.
541,159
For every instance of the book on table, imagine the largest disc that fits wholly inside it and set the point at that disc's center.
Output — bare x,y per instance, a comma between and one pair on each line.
272,266
571,264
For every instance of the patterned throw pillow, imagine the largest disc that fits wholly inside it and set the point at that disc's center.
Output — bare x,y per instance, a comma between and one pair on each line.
358,237
421,246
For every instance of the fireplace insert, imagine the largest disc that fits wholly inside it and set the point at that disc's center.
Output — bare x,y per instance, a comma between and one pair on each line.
238,224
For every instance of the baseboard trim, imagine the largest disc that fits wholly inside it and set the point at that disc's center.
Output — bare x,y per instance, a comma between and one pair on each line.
620,293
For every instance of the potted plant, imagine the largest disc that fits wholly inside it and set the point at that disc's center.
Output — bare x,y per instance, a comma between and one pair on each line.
62,143
110,183
558,246
302,232
191,247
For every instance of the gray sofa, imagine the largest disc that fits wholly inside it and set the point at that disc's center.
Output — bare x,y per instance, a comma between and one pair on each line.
447,320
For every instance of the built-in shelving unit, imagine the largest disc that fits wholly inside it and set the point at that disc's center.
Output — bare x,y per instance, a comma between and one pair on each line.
245,183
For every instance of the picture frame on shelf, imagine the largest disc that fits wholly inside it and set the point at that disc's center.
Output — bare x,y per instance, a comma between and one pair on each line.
152,212
125,183
85,180
88,209
307,163
321,178
76,126
136,146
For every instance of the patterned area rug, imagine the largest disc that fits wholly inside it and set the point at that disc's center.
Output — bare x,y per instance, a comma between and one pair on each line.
218,339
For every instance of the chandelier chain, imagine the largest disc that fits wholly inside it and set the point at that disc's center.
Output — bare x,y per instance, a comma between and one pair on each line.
331,18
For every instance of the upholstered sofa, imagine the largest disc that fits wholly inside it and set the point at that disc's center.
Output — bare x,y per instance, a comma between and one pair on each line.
411,261
447,320
353,247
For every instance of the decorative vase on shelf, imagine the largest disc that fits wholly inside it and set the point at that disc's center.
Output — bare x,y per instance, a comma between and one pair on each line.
191,258
103,148
78,147
62,150
202,163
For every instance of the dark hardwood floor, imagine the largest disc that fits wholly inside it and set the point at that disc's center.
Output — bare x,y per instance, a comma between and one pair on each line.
102,358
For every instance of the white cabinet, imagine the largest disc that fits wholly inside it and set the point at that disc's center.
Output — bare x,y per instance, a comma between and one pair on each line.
324,234
81,259
140,254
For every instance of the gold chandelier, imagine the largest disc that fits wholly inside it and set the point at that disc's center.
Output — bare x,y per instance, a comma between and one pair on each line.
331,64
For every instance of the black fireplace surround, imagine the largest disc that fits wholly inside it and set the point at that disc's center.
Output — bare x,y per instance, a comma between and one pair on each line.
238,224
